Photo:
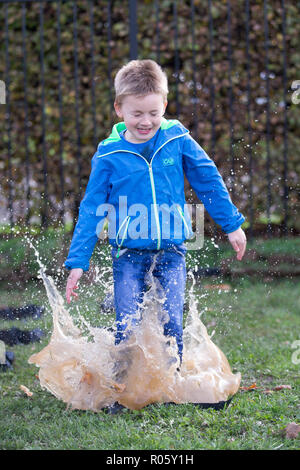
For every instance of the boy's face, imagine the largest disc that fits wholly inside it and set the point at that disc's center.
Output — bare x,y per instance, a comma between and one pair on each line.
142,116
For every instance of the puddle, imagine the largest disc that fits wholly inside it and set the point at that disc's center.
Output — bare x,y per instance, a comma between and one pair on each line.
84,368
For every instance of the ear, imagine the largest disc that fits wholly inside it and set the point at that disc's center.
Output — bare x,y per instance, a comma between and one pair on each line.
118,109
165,105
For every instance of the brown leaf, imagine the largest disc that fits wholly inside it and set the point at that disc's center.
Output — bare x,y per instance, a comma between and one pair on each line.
282,387
292,430
251,387
26,390
225,287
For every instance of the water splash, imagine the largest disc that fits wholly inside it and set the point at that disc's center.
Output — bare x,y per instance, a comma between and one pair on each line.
91,374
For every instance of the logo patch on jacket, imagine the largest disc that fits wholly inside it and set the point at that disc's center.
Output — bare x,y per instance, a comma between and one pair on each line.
168,161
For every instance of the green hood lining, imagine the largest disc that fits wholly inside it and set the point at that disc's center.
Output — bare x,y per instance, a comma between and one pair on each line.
120,126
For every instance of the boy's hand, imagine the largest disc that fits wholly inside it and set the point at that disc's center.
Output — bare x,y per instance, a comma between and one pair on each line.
73,278
238,241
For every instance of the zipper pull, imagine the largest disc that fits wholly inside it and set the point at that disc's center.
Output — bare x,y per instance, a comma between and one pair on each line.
118,253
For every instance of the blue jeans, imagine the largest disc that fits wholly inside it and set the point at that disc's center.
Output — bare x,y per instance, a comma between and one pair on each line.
130,272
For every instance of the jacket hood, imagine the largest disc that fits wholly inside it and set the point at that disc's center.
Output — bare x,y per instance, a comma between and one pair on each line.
170,128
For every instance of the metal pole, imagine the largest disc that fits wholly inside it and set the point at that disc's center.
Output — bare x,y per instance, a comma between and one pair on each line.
60,104
77,117
248,65
133,29
27,162
44,214
268,163
8,122
285,125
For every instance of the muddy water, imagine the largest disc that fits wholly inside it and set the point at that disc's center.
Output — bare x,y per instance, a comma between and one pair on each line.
89,372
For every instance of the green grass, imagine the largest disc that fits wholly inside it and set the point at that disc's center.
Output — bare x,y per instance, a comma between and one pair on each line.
255,324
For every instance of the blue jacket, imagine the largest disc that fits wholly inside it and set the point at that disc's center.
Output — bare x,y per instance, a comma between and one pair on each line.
144,202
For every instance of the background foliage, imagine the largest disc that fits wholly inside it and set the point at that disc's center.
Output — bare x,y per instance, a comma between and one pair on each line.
190,98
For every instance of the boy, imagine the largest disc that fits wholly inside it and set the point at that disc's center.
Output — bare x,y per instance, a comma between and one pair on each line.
140,169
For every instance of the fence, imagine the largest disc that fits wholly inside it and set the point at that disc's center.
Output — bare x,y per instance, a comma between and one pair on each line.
231,66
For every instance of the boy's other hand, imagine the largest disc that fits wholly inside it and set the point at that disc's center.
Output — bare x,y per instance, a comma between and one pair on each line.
73,278
238,241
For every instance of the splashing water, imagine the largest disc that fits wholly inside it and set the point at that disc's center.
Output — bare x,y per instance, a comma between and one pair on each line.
93,374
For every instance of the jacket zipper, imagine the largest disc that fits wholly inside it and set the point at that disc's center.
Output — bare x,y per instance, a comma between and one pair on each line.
155,206
181,213
125,221
152,183
153,188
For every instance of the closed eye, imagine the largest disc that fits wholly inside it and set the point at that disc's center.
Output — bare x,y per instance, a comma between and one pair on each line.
153,114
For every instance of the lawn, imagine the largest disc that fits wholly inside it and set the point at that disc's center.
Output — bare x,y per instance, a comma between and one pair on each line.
255,323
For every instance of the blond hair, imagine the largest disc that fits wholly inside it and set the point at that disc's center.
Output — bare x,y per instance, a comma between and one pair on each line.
140,77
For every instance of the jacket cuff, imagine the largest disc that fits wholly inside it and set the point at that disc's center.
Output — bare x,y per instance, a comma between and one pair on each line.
69,266
235,226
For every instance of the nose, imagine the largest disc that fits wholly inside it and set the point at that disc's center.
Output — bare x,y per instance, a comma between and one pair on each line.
146,122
